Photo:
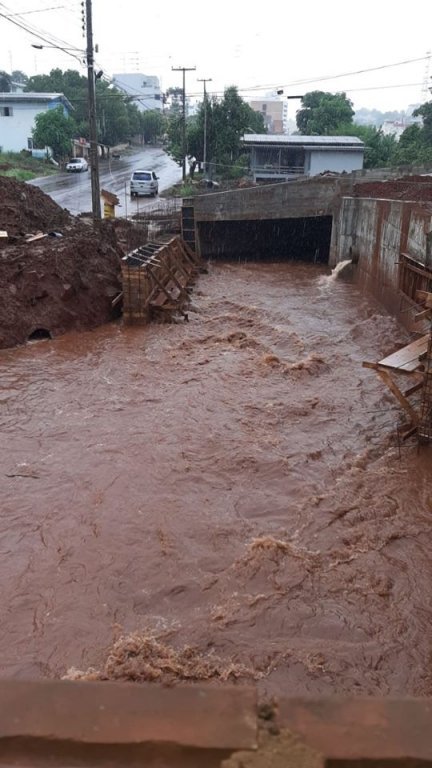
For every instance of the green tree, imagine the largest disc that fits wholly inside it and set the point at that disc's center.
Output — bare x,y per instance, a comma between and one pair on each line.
152,125
112,114
17,76
379,148
134,117
5,82
323,113
72,85
228,120
117,118
415,144
54,129
425,112
175,137
174,99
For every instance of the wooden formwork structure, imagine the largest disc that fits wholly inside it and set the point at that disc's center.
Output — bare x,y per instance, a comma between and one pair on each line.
413,364
156,280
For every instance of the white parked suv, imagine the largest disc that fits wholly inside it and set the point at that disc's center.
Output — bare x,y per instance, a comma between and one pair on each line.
144,183
77,164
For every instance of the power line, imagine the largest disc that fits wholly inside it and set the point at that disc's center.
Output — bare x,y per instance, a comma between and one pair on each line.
321,78
62,45
36,10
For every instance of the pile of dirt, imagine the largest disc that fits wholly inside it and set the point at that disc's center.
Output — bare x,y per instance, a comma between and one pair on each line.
414,188
65,280
25,209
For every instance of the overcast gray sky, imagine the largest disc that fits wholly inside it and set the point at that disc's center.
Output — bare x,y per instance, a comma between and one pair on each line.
256,46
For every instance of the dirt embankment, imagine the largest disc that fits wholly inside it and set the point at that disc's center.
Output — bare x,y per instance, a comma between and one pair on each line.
416,188
65,280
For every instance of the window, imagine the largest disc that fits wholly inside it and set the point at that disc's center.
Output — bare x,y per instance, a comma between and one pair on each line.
6,111
141,176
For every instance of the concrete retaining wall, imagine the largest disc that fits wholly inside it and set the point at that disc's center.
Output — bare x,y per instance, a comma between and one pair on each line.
56,723
374,233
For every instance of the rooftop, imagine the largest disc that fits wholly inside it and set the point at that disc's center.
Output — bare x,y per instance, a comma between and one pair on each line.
302,141
41,97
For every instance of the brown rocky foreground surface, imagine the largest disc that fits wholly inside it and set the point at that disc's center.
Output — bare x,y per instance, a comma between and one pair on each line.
56,272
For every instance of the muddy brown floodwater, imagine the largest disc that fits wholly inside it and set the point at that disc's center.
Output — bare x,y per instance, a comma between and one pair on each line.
232,483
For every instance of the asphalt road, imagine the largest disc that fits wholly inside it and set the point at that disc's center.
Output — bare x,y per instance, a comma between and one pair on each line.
73,190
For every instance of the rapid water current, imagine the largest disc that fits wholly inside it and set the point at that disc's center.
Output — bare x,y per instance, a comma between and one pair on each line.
232,484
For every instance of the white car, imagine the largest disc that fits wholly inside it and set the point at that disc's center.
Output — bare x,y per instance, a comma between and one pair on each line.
77,164
144,183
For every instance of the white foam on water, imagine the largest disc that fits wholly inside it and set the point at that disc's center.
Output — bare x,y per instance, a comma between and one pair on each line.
339,268
327,280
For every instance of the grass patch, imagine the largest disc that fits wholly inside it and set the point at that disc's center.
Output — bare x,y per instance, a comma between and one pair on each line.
180,190
23,167
19,174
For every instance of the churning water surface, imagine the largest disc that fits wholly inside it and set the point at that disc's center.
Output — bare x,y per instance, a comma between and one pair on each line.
232,484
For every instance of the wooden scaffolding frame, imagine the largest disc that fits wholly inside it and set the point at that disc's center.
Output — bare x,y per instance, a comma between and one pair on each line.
412,362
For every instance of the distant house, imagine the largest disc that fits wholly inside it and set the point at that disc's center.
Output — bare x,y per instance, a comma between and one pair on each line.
283,157
143,89
17,116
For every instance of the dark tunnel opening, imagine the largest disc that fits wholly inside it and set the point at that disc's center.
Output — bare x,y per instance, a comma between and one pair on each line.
39,334
305,239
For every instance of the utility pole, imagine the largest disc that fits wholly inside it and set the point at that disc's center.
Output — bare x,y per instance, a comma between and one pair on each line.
205,80
184,70
94,157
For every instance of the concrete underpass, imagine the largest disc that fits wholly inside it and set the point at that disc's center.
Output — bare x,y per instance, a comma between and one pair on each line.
305,239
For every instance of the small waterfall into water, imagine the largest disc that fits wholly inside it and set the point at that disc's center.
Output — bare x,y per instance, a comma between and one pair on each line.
340,268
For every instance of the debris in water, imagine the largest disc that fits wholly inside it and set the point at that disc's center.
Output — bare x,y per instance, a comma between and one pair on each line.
142,657
313,364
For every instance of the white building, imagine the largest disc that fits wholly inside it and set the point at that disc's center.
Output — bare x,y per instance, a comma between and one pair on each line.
143,89
286,157
17,117
397,127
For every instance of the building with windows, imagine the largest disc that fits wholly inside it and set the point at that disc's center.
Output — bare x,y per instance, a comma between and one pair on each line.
143,89
284,157
17,116
275,113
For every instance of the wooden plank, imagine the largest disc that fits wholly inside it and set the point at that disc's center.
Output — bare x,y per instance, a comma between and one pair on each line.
422,315
406,405
32,238
425,296
161,285
414,388
408,357
117,298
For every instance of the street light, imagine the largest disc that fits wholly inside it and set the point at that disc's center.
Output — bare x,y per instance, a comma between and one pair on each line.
57,47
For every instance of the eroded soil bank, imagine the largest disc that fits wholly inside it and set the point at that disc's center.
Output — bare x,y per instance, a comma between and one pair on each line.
231,484
66,279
